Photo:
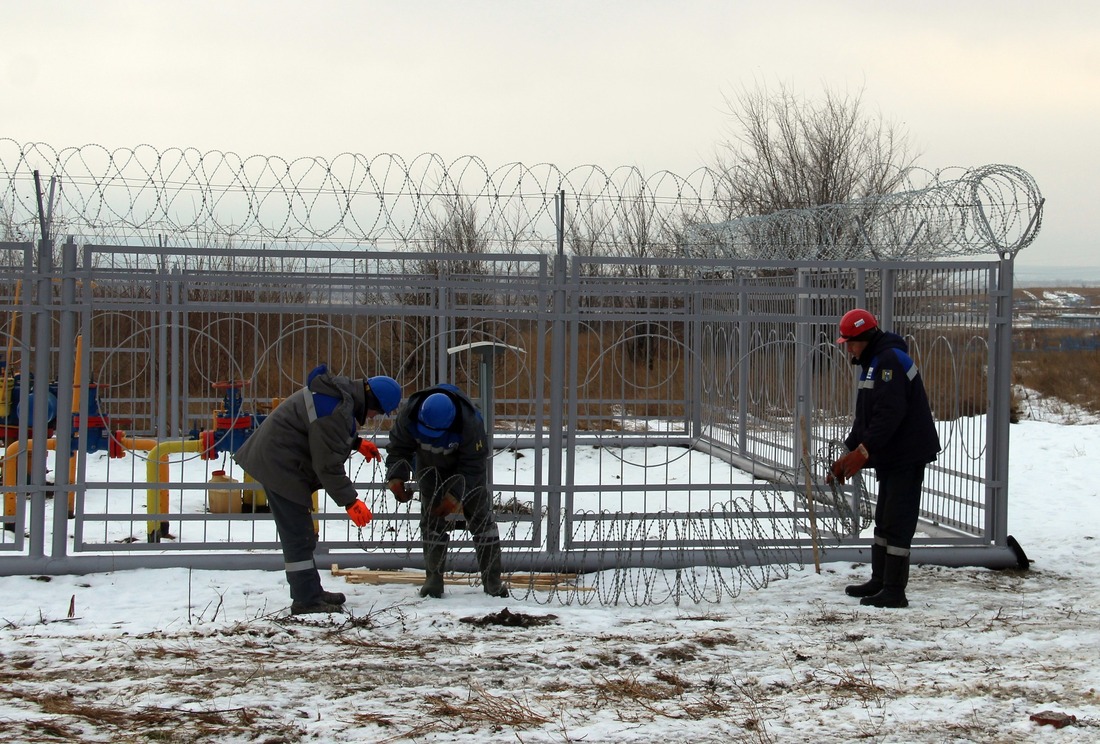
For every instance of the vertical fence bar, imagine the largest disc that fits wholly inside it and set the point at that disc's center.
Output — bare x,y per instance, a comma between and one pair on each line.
744,363
164,315
554,490
888,278
1000,395
67,385
84,373
176,421
694,355
42,353
803,412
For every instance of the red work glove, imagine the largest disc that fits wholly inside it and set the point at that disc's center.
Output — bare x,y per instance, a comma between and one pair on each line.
402,494
849,465
369,450
447,505
359,513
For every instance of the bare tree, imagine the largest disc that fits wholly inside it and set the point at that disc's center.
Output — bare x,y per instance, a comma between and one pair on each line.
9,228
454,229
789,152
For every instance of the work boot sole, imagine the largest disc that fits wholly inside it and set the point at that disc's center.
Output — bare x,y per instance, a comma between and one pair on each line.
877,601
301,608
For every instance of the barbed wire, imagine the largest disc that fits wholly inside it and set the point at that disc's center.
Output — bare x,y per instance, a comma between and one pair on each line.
992,209
385,202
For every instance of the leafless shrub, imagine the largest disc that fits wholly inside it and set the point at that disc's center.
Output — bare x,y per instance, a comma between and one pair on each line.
753,713
482,707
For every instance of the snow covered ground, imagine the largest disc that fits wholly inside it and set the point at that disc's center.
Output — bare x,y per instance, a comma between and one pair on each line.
177,655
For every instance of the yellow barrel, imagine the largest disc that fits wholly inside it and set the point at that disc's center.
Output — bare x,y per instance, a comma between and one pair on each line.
223,501
255,499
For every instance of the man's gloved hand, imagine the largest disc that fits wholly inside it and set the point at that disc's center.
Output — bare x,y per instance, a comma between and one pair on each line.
369,450
447,505
359,513
402,494
849,465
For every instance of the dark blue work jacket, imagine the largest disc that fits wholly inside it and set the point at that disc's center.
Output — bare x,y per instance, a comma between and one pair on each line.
893,418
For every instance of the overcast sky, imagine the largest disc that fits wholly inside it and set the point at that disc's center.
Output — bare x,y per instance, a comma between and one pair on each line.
570,82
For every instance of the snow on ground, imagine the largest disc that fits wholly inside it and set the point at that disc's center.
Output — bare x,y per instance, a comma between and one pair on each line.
177,655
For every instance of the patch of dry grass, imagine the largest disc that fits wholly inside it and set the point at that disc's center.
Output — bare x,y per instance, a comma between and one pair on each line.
1071,376
482,707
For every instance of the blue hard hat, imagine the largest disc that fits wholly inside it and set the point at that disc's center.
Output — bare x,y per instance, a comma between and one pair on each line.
437,413
385,391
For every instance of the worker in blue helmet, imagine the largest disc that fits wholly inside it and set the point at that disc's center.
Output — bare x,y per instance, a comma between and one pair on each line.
440,436
302,446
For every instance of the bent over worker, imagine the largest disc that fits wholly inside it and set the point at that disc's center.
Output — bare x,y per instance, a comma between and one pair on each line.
440,435
302,446
894,433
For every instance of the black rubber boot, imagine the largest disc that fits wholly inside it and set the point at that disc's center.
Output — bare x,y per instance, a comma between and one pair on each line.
874,586
305,586
435,558
307,608
336,598
894,581
488,560
306,594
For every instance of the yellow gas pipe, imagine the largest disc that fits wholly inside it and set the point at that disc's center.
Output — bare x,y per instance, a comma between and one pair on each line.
10,453
156,470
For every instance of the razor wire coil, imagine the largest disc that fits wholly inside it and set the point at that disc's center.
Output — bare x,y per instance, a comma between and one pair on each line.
385,202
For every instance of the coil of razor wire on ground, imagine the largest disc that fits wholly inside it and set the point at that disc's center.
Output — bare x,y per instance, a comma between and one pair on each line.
848,521
745,546
382,535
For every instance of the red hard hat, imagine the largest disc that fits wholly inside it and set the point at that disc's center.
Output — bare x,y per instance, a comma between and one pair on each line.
854,323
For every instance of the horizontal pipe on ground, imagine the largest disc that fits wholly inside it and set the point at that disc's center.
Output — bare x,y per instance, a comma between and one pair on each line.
992,557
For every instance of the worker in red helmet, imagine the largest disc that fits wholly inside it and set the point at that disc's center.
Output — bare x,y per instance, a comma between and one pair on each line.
894,433
440,436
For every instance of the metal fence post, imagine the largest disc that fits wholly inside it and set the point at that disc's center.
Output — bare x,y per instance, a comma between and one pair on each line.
557,437
67,386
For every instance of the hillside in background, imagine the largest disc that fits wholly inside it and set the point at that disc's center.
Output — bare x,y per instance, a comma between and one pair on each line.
1056,344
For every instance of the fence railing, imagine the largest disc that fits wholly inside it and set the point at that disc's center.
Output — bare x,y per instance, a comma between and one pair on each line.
580,369
659,375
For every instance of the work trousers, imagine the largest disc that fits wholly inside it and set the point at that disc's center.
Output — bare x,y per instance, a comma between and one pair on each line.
898,507
476,509
298,539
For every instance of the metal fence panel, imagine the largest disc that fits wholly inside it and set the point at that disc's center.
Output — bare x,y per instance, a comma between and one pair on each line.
582,365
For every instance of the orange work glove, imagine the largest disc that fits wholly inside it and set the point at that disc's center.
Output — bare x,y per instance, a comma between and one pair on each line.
849,465
359,513
369,450
402,494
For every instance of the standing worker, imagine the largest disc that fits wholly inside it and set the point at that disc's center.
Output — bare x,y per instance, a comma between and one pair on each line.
440,435
302,446
894,433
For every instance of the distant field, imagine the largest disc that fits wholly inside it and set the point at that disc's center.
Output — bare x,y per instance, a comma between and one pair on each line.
1056,343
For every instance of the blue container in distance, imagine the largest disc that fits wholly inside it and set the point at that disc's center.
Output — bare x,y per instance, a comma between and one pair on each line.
51,408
